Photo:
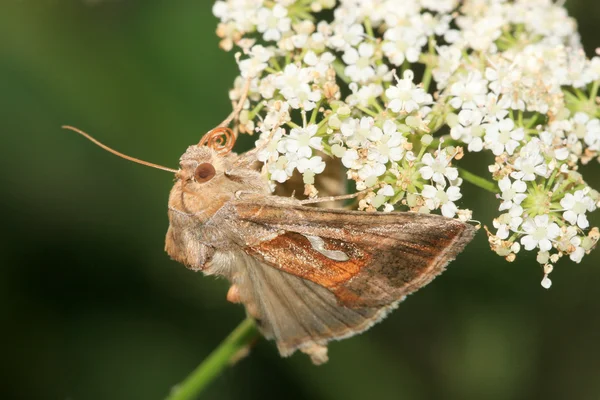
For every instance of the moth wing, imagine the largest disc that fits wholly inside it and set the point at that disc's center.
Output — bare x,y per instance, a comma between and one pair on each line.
297,313
364,259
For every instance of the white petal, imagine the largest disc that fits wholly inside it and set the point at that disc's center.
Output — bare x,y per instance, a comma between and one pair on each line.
582,221
546,282
454,193
429,191
504,184
426,172
502,232
451,173
528,242
545,245
541,220
528,226
519,186
577,255
552,231
568,201
449,210
570,217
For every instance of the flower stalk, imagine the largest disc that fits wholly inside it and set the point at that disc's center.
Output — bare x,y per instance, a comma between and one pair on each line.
219,359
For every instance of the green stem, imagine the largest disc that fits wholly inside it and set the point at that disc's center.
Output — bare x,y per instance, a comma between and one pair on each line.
216,362
368,28
293,125
339,68
313,116
477,180
367,111
594,91
429,67
427,78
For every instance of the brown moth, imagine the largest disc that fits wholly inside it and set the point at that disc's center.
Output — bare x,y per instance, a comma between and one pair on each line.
306,275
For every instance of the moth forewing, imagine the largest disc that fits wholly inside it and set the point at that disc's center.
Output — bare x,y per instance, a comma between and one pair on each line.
388,255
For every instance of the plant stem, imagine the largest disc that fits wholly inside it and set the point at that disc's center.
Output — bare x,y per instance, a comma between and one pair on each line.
477,180
216,362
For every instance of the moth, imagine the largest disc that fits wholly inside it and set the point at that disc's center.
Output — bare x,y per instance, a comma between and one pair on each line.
306,275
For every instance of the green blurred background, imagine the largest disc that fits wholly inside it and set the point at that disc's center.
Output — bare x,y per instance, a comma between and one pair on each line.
92,307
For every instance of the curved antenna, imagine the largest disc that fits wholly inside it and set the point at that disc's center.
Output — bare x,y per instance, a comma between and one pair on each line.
238,107
220,139
105,147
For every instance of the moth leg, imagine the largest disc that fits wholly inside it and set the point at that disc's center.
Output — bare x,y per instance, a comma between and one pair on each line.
247,194
316,352
334,198
186,214
233,294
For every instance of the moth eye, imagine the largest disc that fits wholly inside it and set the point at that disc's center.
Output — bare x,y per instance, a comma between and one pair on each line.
204,172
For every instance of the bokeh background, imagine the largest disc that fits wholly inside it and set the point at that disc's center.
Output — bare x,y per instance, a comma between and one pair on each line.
92,307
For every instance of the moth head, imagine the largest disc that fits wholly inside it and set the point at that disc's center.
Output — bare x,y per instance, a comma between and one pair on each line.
210,175
201,166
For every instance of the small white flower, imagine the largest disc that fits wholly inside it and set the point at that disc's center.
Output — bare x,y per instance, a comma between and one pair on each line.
277,113
502,230
403,43
530,162
386,190
319,65
437,196
469,129
347,35
510,221
301,141
448,62
512,193
577,252
539,233
496,107
502,136
269,152
405,96
282,169
576,205
314,164
294,85
357,132
368,172
364,95
350,159
273,22
382,196
359,63
437,168
257,62
546,282
389,146
569,242
592,134
469,92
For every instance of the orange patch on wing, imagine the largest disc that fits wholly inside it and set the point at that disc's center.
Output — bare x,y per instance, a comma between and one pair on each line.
308,263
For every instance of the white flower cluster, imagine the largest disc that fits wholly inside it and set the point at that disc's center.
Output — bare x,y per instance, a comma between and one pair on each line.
395,91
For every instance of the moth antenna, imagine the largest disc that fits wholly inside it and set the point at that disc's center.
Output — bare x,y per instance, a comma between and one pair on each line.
240,104
105,147
220,139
